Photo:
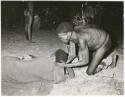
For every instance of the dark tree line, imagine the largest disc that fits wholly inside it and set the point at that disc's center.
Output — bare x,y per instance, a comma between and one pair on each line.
52,13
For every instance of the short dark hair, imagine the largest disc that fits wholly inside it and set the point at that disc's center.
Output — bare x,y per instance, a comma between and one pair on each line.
64,27
61,55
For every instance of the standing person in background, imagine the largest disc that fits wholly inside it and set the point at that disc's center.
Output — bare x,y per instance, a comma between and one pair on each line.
29,20
36,23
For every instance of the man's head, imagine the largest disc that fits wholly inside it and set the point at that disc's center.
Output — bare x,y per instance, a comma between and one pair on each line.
65,37
64,31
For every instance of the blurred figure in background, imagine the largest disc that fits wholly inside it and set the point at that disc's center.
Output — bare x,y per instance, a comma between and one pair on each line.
28,13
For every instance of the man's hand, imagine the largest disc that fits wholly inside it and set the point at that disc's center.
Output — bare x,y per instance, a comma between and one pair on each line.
71,58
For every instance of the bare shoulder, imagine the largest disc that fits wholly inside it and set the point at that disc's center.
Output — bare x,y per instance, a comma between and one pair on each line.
92,29
89,31
84,26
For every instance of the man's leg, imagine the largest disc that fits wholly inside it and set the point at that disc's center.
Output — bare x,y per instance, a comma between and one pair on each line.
29,32
30,28
26,31
99,54
95,61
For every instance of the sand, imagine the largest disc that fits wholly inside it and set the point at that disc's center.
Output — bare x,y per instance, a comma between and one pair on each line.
45,43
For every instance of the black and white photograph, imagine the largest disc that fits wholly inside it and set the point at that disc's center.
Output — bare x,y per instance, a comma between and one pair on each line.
62,48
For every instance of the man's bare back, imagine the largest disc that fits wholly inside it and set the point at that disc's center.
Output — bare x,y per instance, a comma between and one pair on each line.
94,37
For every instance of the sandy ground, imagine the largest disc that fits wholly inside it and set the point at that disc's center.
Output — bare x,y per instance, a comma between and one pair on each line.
107,82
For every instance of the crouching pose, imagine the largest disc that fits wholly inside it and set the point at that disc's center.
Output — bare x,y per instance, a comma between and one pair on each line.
81,41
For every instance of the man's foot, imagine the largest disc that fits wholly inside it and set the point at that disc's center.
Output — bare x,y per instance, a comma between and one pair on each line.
114,61
109,62
100,67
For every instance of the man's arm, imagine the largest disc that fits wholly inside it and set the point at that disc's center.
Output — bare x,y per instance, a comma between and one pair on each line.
83,55
71,52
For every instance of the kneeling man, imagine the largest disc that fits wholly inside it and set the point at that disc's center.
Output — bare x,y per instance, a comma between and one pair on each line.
86,38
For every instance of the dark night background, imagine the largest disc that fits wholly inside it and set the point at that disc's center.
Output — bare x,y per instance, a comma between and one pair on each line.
12,13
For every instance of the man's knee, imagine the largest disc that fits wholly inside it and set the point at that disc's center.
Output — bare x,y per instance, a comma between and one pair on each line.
89,72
